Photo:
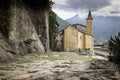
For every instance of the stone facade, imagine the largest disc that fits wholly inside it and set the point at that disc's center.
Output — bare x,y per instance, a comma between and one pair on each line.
75,40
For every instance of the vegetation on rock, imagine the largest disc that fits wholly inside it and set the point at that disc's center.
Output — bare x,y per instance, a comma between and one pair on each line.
6,12
52,29
19,22
5,17
38,3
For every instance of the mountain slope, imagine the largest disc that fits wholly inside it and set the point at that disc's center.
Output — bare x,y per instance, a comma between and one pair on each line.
62,23
76,19
103,27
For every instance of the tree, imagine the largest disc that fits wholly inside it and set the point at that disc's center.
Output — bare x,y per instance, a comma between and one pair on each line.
105,44
114,48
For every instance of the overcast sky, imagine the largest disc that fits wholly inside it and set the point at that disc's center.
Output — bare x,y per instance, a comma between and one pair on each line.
68,8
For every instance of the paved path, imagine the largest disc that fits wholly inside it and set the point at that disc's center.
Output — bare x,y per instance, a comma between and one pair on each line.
60,70
70,66
102,53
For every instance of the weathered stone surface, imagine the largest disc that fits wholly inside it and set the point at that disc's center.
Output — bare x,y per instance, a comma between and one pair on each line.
4,50
27,31
60,70
26,24
59,41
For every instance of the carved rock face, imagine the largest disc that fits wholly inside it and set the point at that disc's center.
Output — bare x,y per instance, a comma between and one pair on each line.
27,29
27,24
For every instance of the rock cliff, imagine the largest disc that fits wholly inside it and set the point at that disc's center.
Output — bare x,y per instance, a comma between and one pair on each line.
25,31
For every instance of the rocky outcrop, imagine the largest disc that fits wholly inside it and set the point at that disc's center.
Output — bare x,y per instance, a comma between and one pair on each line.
59,41
27,25
61,70
26,29
5,49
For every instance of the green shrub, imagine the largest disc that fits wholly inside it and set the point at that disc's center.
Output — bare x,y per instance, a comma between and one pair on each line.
114,48
52,29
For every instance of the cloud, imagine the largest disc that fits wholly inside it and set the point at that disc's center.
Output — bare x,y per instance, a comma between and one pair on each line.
64,14
98,7
88,4
111,10
81,4
114,12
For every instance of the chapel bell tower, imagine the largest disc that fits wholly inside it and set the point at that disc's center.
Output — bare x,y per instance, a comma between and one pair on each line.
89,23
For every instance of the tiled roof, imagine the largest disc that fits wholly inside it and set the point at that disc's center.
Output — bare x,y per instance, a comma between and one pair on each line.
80,27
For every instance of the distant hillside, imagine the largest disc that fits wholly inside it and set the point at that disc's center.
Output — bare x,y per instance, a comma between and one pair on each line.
103,27
76,19
62,23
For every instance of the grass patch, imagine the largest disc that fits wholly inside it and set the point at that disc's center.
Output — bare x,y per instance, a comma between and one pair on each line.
73,57
44,58
59,56
34,59
94,59
76,57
